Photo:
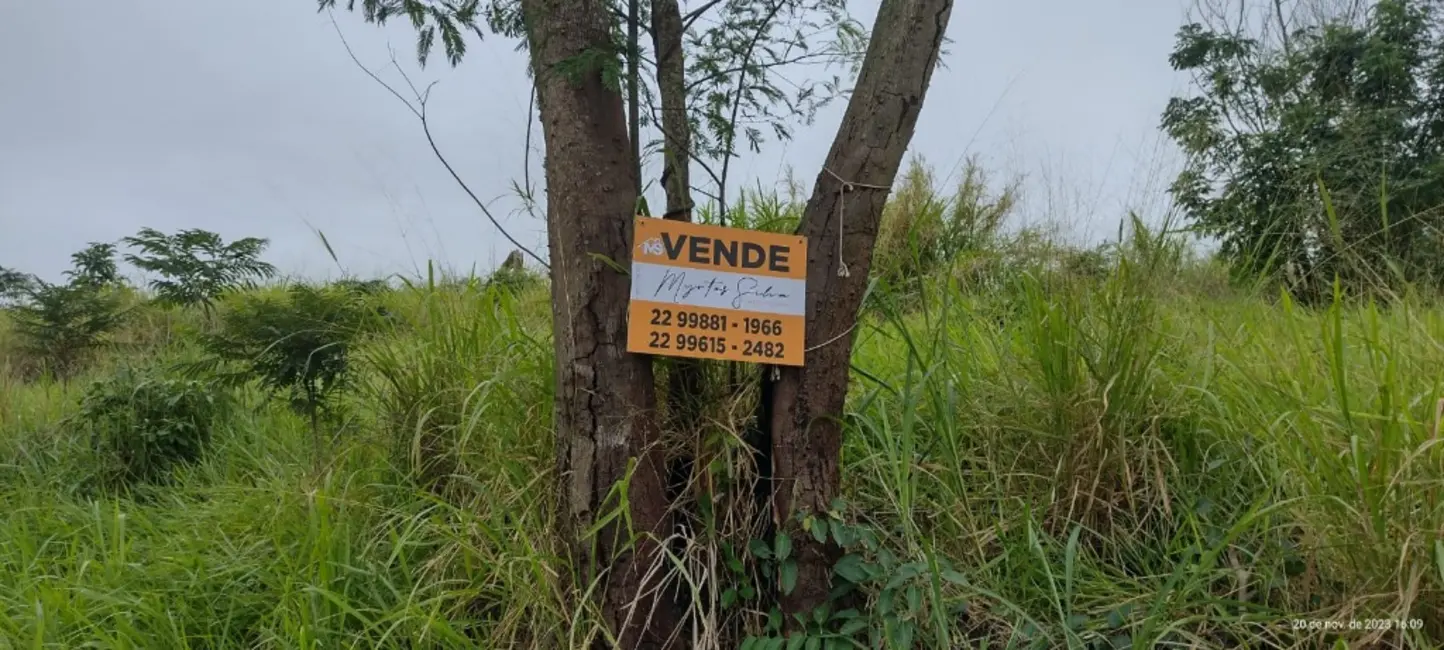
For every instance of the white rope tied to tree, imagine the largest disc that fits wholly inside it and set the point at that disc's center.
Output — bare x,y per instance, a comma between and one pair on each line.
847,186
842,272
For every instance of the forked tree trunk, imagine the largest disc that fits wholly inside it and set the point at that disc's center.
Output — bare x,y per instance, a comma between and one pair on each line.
807,402
605,417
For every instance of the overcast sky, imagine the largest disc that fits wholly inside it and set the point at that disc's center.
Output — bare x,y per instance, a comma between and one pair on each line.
249,119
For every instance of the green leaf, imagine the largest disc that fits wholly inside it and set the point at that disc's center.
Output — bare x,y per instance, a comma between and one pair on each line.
818,526
851,569
783,545
789,576
759,549
819,614
729,597
915,599
885,600
796,641
853,627
904,637
954,577
814,643
904,573
749,643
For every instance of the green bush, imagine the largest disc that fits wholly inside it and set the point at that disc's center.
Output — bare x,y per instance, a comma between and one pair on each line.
143,422
297,345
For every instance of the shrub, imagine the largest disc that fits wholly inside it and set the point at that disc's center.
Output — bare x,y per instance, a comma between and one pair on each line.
924,232
144,423
297,345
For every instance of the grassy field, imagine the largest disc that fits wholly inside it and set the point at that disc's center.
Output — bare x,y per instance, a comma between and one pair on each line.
1138,459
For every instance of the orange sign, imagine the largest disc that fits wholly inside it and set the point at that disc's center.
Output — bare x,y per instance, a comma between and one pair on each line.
710,292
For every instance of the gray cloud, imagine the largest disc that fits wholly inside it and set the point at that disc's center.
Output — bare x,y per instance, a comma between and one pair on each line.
248,118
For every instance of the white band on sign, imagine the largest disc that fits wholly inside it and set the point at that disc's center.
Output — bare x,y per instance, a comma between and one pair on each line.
718,289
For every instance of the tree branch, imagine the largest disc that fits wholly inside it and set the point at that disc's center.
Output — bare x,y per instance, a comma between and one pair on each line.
419,110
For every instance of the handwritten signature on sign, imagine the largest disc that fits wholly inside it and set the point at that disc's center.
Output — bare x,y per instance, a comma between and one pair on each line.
676,284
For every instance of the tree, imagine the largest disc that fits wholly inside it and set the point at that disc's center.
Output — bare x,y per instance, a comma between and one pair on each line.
61,324
196,266
807,402
1316,149
609,460
94,266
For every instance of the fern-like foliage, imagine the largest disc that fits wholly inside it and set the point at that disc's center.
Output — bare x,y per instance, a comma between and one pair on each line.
431,19
196,266
296,346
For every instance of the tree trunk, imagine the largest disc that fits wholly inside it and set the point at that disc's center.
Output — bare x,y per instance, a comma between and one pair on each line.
685,379
686,387
605,420
807,402
676,130
634,98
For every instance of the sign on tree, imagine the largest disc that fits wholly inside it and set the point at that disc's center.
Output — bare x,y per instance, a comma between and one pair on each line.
710,292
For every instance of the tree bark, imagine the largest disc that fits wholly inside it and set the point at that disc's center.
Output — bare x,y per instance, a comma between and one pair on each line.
807,402
605,419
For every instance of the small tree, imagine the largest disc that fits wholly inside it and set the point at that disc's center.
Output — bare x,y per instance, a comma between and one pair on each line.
196,266
60,324
297,346
14,284
94,266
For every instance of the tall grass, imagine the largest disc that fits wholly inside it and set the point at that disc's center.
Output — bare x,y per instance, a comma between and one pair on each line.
1109,459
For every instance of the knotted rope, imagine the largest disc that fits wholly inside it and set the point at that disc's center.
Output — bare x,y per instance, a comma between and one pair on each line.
842,190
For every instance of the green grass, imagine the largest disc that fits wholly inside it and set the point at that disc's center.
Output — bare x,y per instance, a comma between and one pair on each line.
1123,460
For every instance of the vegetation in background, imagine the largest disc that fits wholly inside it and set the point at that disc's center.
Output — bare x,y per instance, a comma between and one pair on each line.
60,326
1316,150
1118,462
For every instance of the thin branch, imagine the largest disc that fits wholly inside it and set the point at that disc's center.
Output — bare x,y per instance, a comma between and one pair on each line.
530,196
419,110
693,15
736,105
804,58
